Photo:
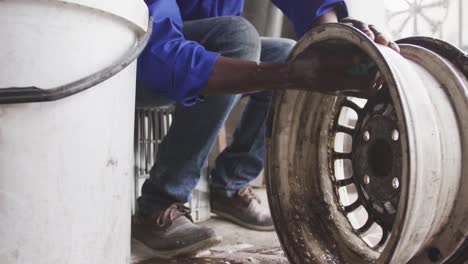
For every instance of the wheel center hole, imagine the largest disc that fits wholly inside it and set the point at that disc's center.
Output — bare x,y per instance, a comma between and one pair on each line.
381,157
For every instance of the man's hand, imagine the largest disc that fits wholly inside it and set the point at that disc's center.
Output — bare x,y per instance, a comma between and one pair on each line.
372,32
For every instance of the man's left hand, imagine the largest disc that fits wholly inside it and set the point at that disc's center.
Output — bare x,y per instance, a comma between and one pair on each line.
372,32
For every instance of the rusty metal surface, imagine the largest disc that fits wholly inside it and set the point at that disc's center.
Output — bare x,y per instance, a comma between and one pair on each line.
455,55
430,219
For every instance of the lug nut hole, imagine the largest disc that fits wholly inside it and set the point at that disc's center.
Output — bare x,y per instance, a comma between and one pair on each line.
395,183
395,135
366,179
366,136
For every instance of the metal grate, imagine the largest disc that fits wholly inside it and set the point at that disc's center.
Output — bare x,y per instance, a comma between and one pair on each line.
151,125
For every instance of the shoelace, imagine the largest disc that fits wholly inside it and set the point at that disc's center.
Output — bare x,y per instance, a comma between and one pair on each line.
248,193
173,212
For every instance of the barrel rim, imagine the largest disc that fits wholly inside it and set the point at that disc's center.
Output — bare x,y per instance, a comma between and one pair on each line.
16,95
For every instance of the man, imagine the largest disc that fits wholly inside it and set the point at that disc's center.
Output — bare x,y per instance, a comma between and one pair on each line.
203,55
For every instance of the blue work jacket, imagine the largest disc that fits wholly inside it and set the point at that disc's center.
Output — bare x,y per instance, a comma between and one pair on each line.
177,68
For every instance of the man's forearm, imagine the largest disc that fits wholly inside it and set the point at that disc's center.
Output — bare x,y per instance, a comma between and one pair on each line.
240,76
232,76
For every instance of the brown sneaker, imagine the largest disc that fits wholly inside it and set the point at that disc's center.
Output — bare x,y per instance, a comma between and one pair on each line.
242,208
172,233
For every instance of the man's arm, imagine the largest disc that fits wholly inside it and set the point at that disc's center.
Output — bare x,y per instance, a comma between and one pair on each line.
171,65
234,76
240,76
184,70
237,76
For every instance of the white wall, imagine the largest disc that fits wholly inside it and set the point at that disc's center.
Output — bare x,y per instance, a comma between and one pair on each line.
370,11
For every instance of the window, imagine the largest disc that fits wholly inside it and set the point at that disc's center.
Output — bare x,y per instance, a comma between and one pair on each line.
444,19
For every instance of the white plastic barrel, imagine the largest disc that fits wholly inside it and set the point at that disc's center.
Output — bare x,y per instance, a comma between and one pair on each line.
66,158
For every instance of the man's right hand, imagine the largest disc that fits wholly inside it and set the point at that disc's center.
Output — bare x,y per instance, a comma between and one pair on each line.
330,71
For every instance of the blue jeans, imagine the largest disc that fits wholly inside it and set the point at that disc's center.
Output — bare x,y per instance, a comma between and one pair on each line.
194,129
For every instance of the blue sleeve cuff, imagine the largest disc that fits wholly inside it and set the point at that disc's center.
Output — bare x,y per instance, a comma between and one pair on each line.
172,66
302,25
186,90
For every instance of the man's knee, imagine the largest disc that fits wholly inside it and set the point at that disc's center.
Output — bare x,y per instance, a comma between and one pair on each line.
276,50
237,38
286,46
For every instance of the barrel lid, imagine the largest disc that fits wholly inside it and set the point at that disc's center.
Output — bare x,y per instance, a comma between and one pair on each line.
135,11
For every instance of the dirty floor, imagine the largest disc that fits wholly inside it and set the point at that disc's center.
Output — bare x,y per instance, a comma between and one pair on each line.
239,246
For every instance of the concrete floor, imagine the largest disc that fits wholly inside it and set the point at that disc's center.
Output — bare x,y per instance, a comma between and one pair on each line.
239,246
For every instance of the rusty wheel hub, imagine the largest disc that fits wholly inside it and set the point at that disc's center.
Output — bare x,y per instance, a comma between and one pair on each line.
376,180
376,159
